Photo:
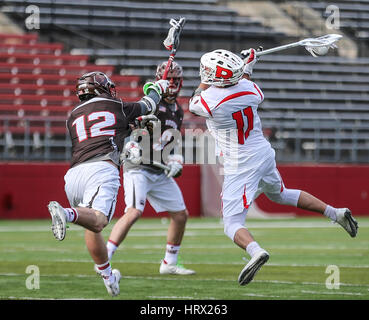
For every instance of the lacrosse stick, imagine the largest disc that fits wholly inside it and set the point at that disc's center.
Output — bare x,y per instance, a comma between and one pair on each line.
157,164
171,42
133,153
315,46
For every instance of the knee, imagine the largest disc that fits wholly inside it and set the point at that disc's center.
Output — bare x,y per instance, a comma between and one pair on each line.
230,228
287,196
180,216
100,222
132,214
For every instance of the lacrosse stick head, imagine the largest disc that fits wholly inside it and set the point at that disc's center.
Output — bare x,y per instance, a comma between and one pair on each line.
171,42
321,45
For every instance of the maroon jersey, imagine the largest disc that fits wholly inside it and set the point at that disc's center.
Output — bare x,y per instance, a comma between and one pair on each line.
98,127
171,117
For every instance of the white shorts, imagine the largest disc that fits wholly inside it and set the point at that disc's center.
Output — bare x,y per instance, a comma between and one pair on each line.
162,192
93,185
239,190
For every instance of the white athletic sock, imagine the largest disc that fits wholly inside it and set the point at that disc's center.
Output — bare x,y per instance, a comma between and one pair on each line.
171,253
111,246
106,272
330,212
71,214
253,248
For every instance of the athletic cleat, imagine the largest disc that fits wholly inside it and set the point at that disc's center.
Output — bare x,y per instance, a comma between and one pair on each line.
174,269
252,267
113,288
347,221
59,223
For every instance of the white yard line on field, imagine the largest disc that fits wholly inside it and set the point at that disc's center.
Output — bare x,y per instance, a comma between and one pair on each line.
259,295
217,263
332,293
171,297
123,247
33,298
188,278
268,224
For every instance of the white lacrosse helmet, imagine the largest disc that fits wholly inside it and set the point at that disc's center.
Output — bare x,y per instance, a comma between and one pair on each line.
221,68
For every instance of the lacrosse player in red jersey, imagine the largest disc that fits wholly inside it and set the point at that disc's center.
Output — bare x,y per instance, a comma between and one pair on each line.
97,127
148,182
229,101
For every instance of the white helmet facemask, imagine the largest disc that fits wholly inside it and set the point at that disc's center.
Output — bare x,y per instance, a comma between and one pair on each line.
221,68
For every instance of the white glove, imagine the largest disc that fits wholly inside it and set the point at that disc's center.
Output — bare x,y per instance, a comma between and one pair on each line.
249,59
161,87
132,152
175,163
147,120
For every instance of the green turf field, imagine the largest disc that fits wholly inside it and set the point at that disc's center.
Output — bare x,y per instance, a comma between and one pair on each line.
300,252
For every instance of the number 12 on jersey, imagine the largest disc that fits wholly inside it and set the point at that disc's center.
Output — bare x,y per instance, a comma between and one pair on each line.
240,123
105,119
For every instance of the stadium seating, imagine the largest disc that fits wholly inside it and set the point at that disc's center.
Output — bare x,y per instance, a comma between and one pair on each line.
140,23
37,92
318,105
353,17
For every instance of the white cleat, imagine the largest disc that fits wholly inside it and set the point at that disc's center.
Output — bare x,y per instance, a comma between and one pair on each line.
347,221
59,222
252,267
113,288
174,269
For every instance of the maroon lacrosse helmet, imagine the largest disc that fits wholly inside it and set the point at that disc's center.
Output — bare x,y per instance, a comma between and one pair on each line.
93,84
175,78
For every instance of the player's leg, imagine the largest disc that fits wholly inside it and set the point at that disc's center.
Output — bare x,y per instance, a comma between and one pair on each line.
121,229
166,196
176,229
96,247
84,217
95,210
238,192
135,190
276,191
81,194
177,226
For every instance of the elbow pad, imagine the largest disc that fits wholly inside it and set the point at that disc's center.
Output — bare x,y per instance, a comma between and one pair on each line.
148,105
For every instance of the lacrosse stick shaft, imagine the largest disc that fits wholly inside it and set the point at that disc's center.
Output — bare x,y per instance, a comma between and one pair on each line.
156,164
167,68
280,48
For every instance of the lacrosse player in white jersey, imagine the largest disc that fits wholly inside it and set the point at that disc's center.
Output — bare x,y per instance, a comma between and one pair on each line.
229,101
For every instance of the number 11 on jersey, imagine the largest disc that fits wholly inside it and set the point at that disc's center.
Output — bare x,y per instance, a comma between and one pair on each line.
240,123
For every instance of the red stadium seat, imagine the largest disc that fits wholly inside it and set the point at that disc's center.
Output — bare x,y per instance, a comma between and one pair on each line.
33,49
19,89
30,38
67,79
62,59
15,68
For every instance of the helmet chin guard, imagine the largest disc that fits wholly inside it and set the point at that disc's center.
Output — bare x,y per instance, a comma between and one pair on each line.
221,68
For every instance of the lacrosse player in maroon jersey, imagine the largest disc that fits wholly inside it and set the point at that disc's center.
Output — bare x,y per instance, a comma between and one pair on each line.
229,101
98,126
148,182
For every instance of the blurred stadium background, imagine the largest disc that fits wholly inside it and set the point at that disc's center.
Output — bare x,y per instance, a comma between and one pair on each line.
315,114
